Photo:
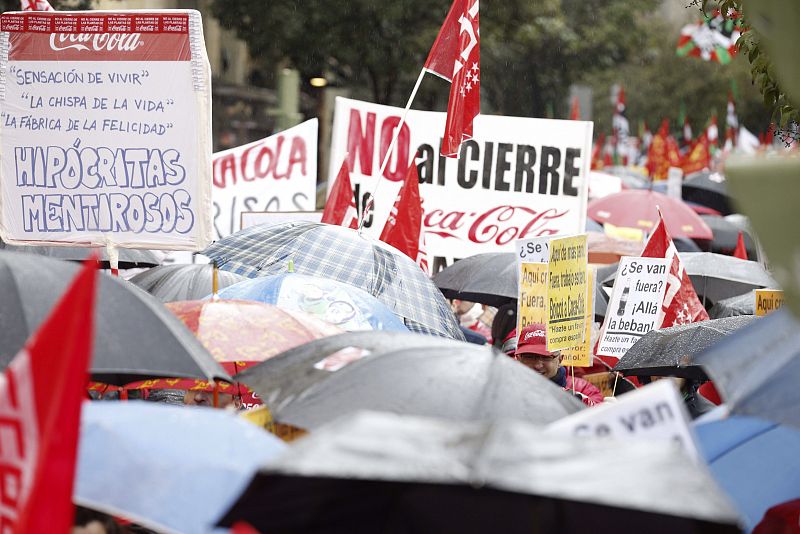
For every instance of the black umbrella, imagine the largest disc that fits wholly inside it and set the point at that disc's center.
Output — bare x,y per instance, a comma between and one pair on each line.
136,337
757,369
731,307
403,373
726,235
378,472
129,258
707,189
672,351
170,283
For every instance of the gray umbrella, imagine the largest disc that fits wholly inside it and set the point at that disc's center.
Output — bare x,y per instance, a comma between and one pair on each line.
707,189
731,307
135,336
757,369
718,277
404,373
170,283
672,351
726,235
341,254
379,472
129,258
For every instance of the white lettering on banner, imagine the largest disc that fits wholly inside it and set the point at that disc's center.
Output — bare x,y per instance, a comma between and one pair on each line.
654,412
277,173
112,42
518,178
635,305
468,27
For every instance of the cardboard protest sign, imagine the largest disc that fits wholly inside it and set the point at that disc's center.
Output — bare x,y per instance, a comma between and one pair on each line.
581,355
533,250
519,177
635,305
105,129
532,307
277,173
567,292
767,301
654,412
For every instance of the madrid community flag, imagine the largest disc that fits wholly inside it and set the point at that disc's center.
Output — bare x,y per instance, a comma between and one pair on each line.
35,5
41,393
340,208
455,56
403,229
681,305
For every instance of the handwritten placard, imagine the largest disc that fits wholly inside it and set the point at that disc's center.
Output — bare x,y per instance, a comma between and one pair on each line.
567,292
105,129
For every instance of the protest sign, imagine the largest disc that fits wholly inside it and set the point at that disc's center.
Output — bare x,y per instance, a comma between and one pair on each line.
105,129
253,218
635,305
519,177
654,412
532,307
767,301
277,173
581,355
533,250
566,292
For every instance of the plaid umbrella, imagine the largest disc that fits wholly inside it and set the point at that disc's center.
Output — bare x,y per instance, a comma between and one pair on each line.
340,254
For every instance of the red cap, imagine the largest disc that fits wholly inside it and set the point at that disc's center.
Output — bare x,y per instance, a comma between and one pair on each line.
533,340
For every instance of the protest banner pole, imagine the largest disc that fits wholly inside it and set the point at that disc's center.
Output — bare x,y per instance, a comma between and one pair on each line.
395,136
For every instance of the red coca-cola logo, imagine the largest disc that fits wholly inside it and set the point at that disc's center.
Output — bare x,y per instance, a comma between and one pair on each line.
111,42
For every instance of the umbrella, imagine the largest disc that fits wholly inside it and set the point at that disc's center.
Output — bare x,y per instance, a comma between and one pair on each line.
135,336
739,305
312,385
671,351
378,472
129,258
169,468
757,369
726,235
707,189
492,278
337,303
639,209
717,277
169,283
341,254
755,461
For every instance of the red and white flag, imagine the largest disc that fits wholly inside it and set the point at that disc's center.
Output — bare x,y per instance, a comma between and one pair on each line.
40,407
740,251
681,305
455,56
340,208
36,5
403,229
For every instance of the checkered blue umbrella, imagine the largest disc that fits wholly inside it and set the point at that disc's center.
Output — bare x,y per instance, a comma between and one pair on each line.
340,254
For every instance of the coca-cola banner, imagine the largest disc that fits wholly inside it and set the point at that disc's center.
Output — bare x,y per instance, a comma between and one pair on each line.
277,173
105,129
518,177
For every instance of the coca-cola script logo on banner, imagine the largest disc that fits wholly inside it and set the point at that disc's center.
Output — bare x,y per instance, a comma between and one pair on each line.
112,42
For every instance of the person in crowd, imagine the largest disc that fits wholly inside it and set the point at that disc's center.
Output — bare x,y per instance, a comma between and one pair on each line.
532,352
505,322
695,402
470,316
206,398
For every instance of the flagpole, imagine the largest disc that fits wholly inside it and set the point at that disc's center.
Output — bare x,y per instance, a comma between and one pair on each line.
395,136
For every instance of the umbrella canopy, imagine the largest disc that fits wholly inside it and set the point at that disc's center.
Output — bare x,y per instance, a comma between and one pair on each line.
337,303
129,258
756,370
169,468
726,235
639,209
377,472
671,351
731,307
707,189
755,461
311,385
169,283
341,254
717,277
135,336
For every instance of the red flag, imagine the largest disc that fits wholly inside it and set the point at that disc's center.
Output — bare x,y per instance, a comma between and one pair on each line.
455,56
41,391
575,109
681,305
698,157
597,152
403,229
340,208
35,5
740,251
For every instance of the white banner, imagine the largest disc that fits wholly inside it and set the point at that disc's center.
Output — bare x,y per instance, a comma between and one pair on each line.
654,412
519,177
277,173
105,129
